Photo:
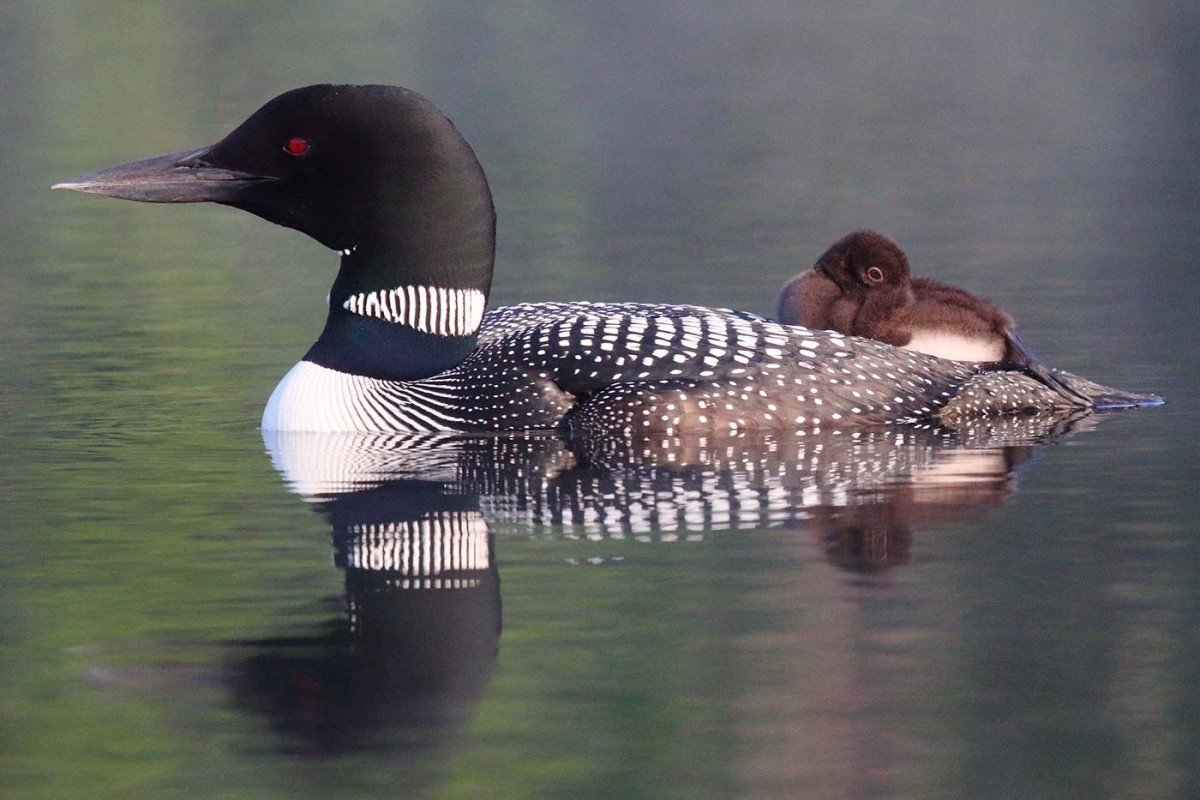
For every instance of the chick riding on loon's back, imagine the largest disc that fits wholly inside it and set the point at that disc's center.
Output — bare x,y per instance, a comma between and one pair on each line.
862,286
378,174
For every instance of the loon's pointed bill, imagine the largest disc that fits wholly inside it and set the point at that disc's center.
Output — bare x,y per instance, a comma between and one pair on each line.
182,177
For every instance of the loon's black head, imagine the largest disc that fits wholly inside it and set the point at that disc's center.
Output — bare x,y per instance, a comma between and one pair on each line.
374,172
358,168
864,260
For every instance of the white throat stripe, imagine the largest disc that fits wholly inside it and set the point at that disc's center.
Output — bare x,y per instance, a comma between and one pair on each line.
429,309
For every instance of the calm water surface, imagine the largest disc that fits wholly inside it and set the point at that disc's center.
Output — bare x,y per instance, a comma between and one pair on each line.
188,609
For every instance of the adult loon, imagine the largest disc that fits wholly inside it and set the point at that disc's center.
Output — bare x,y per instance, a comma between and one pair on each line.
380,175
862,286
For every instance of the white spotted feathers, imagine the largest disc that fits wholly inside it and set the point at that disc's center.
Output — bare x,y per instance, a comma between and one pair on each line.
429,309
629,369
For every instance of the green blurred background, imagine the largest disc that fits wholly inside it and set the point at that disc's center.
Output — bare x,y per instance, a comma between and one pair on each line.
1042,155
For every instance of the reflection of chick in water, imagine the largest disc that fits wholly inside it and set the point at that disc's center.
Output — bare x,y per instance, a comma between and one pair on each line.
875,531
865,538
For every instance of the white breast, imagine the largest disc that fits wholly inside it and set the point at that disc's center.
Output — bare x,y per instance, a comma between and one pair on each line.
956,347
313,398
318,399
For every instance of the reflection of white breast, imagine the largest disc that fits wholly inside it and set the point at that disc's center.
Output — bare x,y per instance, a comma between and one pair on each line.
955,346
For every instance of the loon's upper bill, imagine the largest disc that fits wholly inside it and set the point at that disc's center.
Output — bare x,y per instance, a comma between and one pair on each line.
382,176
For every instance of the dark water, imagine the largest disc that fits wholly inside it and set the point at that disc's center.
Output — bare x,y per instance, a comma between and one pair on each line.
1007,610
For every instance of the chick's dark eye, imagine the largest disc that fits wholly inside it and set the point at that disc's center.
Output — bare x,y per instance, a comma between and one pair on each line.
296,146
875,274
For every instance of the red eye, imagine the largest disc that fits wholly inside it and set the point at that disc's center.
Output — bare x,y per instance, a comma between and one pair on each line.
296,146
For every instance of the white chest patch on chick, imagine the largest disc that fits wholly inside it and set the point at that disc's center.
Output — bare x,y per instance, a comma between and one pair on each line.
956,346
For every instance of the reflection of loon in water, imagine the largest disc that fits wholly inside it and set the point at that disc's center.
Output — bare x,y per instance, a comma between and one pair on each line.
420,635
686,488
410,524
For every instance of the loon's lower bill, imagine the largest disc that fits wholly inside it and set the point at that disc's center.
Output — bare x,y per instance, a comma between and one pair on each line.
378,174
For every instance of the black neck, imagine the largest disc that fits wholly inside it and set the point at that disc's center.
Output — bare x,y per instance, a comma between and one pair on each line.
378,349
409,209
362,344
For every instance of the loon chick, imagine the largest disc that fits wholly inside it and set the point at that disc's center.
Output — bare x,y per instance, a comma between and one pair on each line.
378,174
861,286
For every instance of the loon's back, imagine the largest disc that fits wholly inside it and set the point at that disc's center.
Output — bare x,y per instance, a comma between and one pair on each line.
634,368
